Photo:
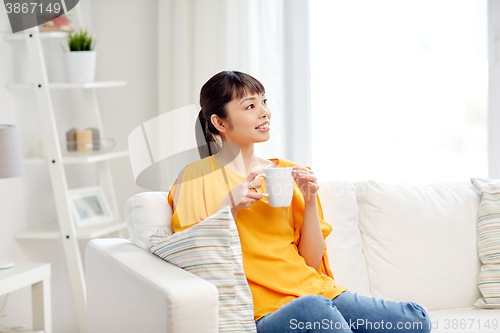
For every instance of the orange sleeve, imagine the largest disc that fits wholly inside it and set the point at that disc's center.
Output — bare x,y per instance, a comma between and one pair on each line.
190,205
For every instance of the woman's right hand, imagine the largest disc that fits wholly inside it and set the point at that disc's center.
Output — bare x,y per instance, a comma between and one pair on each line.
242,196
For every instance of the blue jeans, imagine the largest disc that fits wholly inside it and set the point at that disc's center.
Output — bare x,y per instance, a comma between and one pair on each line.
345,313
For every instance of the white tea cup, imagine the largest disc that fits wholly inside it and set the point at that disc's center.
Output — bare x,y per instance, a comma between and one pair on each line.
279,184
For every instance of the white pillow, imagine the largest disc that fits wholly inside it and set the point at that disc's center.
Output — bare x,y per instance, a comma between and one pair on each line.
145,212
345,255
211,249
419,241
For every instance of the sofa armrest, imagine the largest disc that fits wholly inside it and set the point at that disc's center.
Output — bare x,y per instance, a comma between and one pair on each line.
131,290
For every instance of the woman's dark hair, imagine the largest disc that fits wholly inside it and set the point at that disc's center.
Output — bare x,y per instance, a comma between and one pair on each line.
221,89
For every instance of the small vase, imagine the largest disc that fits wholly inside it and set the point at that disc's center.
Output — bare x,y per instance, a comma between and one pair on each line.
80,66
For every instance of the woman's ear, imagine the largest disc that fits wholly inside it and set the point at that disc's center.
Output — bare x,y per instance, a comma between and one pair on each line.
218,123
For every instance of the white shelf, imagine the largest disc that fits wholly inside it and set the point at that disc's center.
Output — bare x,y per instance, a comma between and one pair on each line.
80,157
51,231
43,35
69,85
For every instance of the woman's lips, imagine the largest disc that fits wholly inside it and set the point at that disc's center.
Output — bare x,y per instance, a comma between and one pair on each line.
264,129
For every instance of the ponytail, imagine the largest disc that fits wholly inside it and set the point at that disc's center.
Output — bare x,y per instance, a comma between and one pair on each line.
206,140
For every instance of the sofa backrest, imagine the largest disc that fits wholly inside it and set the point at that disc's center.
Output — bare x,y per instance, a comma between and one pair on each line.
345,253
420,241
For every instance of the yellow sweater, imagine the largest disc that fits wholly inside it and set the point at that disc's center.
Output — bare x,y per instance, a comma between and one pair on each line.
275,271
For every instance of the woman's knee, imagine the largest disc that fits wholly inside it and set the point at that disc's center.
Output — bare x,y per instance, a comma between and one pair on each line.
313,306
312,301
421,322
317,312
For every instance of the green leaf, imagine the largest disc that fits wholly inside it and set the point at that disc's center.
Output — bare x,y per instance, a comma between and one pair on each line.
80,41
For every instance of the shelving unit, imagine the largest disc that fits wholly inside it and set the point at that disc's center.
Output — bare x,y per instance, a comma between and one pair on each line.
55,158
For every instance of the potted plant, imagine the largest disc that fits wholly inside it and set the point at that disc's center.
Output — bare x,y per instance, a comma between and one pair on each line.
81,58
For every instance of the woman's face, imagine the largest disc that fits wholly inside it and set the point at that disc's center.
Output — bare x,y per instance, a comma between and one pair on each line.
246,114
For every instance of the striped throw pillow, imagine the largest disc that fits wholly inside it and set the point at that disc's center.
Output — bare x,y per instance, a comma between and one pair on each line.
211,249
488,242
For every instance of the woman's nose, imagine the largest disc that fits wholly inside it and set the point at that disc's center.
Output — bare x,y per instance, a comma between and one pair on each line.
265,111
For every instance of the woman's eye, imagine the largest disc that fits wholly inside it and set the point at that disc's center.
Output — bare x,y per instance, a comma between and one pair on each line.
265,101
251,105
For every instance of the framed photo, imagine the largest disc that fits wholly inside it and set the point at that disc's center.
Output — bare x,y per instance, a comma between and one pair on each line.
90,206
56,19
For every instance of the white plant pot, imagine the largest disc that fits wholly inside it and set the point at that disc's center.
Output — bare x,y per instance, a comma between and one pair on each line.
80,66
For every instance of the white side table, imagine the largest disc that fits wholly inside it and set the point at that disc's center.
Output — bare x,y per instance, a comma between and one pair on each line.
36,275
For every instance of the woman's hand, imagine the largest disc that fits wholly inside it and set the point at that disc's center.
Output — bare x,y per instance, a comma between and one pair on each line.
242,195
306,181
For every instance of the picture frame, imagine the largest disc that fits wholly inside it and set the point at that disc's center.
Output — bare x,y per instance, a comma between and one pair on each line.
63,22
90,206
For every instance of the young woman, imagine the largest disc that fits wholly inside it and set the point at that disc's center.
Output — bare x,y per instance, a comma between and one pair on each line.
284,254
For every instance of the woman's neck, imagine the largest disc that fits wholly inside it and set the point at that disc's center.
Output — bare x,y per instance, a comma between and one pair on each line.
242,160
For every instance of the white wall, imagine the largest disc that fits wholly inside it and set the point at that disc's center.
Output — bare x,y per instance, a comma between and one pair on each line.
127,50
493,88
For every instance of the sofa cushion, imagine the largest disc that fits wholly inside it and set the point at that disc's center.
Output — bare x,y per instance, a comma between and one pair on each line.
340,210
465,320
145,212
488,242
211,249
419,241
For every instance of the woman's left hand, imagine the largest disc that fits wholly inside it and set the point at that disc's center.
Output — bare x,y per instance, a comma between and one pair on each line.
306,181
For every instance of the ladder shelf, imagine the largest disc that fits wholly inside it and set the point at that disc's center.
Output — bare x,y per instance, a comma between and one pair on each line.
52,231
43,35
54,157
80,157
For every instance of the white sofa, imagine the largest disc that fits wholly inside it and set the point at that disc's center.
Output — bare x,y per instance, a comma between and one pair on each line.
396,241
